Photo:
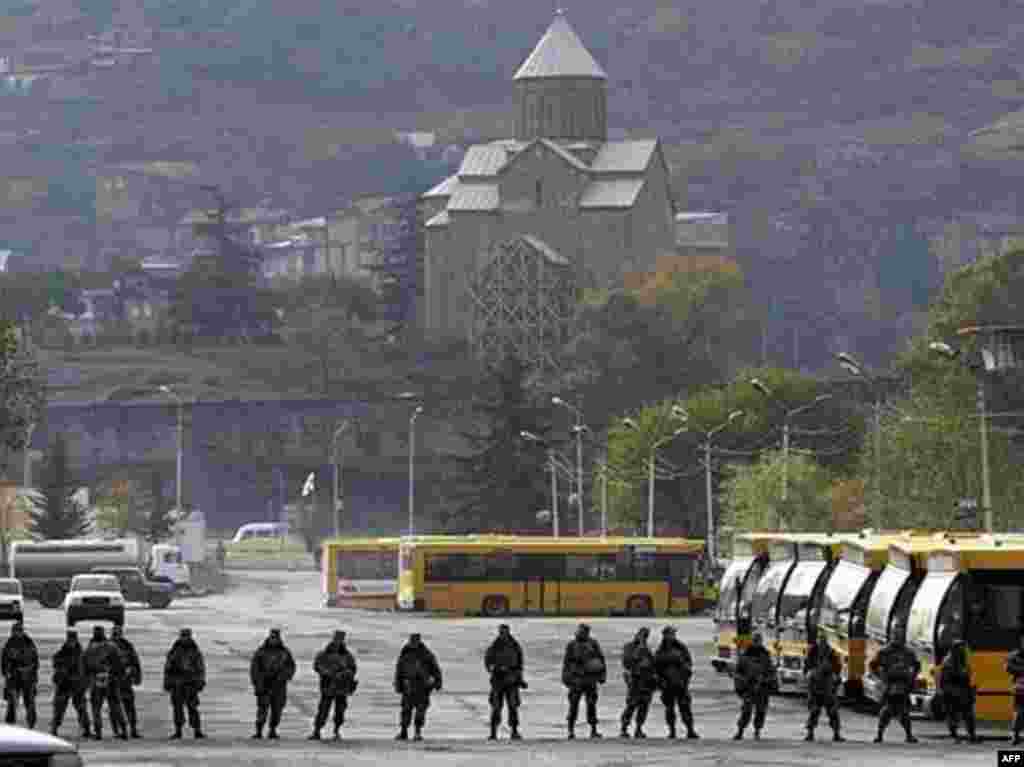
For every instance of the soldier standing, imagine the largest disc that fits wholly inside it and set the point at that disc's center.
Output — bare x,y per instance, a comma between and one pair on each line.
69,684
755,680
822,668
184,679
271,670
336,667
417,674
504,662
1015,668
130,675
102,667
898,667
958,691
675,669
20,665
641,679
583,669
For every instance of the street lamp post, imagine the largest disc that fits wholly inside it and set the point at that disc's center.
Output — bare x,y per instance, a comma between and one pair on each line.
412,476
553,467
181,445
1001,351
630,423
712,540
852,366
338,500
578,429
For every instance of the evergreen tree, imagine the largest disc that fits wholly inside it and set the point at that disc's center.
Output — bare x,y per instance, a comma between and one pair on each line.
60,516
501,486
151,518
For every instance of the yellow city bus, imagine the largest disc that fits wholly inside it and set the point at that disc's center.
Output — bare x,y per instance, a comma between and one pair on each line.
795,623
844,605
974,590
891,598
551,576
736,592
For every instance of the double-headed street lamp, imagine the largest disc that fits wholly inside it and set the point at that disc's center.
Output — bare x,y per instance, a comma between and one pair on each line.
1002,350
712,547
787,415
553,467
850,364
181,443
578,428
679,414
412,466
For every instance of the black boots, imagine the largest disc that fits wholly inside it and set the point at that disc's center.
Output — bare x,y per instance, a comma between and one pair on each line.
593,731
403,734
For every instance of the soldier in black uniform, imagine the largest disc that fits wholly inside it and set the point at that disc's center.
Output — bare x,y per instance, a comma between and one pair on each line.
417,675
130,675
583,669
69,684
504,662
958,692
102,667
336,667
898,667
20,665
184,679
755,680
675,669
1015,668
271,670
822,668
641,679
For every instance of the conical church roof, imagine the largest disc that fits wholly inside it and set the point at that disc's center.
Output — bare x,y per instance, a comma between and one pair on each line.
560,54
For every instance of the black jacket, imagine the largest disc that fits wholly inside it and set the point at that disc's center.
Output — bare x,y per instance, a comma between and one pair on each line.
102,663
638,661
337,668
19,661
898,667
823,670
504,661
184,666
130,665
755,672
583,664
272,667
417,670
674,663
69,666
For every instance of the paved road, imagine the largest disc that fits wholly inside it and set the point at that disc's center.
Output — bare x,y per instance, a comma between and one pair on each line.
230,626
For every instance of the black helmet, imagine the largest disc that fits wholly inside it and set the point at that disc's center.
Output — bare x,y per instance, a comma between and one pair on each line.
668,630
339,636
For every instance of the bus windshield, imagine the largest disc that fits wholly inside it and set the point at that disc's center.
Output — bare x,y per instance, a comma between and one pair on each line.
843,586
367,565
729,592
882,600
924,611
767,594
797,594
995,609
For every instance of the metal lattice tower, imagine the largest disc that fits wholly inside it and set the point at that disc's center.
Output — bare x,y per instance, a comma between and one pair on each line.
524,303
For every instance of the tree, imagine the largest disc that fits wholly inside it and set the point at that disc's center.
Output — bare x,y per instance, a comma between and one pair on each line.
22,393
149,513
114,512
61,515
752,494
501,484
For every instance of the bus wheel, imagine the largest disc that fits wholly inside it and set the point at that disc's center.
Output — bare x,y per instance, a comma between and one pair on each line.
639,606
494,606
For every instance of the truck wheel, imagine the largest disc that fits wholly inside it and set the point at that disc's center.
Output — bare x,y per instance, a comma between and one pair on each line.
52,596
159,602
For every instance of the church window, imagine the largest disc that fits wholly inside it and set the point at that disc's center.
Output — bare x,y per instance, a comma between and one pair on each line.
538,193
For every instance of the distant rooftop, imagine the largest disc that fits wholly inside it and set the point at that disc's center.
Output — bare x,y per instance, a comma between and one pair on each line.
560,53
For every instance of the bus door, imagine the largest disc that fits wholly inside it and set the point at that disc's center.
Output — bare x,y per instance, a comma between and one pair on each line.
680,575
542,575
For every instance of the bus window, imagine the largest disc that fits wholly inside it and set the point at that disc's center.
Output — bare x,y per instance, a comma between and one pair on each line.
441,567
590,567
680,570
503,566
650,567
950,623
542,566
995,607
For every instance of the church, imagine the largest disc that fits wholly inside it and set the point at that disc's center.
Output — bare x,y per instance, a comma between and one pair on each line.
528,223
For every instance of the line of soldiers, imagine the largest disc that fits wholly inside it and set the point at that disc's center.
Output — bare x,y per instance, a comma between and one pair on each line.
107,670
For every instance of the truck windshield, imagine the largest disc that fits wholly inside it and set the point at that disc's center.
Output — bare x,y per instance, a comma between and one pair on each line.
767,595
10,587
95,583
841,591
797,594
883,599
728,593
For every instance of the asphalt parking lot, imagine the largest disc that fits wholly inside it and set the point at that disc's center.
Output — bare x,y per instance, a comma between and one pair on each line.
230,626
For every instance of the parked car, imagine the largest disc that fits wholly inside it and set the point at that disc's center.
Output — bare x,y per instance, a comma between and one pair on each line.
28,747
136,587
264,530
94,597
11,600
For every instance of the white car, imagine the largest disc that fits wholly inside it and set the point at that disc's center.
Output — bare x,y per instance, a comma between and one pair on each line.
21,746
94,597
11,601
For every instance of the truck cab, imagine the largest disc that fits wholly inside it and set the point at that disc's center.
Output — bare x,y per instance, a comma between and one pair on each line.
165,563
136,587
11,600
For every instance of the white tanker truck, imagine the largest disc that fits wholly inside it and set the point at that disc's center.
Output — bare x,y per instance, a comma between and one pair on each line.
45,568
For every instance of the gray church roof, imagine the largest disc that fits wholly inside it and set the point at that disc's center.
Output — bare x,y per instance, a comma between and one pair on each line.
474,197
483,160
560,53
624,156
544,249
611,193
444,189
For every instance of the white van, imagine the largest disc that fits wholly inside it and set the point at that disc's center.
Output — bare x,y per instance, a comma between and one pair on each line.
255,530
166,564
